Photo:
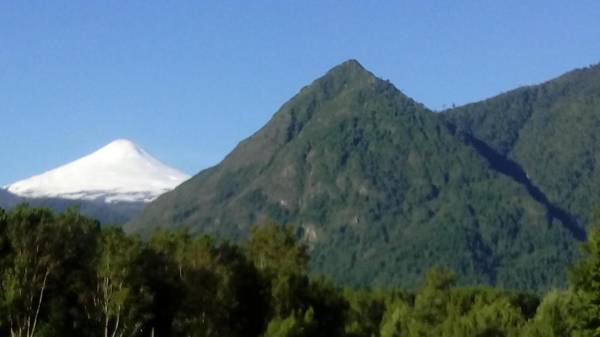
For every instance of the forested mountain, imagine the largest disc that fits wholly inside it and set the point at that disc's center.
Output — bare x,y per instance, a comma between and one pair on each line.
381,188
551,131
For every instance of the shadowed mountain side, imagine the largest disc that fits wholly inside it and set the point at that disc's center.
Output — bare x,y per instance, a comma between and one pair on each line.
551,131
513,170
7,199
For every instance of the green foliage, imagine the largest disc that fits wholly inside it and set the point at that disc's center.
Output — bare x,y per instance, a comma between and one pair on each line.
556,316
457,312
365,311
120,298
585,280
102,282
277,250
40,251
217,283
46,263
294,325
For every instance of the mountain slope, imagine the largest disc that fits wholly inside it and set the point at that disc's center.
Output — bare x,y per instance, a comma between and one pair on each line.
114,213
551,132
119,172
7,199
381,189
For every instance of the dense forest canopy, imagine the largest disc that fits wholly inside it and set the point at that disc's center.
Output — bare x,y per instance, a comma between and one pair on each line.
63,275
550,132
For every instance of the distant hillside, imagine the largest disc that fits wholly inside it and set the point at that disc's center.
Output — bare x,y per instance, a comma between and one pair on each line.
106,213
380,187
7,199
116,213
551,131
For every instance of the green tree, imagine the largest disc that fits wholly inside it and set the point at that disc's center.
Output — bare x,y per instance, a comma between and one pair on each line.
283,261
397,319
218,290
276,249
295,325
556,316
496,318
63,314
365,311
432,299
164,268
118,303
585,281
37,251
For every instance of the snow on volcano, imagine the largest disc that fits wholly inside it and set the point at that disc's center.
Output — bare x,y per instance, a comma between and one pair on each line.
119,172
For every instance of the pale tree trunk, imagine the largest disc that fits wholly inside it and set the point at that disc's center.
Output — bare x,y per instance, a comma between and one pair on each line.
39,305
105,306
118,318
27,326
116,329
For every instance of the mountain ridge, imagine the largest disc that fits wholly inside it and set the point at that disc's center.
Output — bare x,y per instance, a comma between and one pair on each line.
550,130
378,186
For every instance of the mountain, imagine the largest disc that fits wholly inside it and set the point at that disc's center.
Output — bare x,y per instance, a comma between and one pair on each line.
106,213
380,187
7,199
112,185
119,172
551,135
114,213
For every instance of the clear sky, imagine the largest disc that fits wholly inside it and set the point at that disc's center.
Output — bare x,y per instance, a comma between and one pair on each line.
187,80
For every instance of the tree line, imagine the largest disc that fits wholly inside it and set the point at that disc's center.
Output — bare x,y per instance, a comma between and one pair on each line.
63,275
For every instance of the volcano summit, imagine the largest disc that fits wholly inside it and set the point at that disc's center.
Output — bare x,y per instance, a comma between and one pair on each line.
118,172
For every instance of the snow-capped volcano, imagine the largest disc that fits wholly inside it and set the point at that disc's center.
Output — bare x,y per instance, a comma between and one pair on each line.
120,171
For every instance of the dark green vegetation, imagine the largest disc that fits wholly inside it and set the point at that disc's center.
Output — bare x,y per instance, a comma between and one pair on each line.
381,188
62,275
551,132
106,213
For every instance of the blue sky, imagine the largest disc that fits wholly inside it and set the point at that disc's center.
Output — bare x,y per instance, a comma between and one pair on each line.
189,80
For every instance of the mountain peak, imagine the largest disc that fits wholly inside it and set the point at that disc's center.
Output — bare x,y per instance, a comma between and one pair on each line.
120,148
122,143
346,76
350,68
352,64
119,171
